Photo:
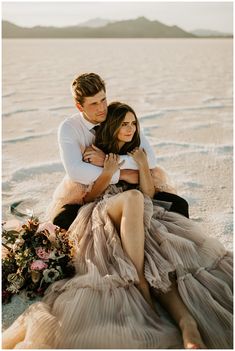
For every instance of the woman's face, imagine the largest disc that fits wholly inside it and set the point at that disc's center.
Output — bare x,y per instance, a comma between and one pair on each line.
127,129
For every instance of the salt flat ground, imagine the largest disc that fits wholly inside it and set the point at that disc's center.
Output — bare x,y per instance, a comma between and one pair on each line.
181,89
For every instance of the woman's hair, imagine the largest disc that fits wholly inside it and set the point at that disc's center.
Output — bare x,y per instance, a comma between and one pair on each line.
106,135
86,85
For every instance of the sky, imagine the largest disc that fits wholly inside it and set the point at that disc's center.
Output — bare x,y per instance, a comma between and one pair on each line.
187,15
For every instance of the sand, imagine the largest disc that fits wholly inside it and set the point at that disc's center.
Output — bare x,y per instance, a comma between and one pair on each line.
180,89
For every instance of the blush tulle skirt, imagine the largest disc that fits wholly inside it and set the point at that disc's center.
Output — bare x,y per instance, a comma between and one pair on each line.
100,307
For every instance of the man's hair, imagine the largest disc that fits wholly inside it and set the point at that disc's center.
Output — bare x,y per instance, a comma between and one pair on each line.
85,85
106,135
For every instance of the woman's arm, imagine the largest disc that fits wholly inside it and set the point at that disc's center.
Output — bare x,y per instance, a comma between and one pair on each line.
111,165
145,178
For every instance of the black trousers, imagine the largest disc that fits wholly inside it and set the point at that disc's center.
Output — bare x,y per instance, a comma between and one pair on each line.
179,205
69,212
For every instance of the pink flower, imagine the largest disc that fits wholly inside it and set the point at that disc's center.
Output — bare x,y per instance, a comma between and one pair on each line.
50,227
38,265
42,253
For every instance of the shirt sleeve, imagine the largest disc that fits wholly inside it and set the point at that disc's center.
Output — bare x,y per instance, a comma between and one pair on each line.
130,162
71,156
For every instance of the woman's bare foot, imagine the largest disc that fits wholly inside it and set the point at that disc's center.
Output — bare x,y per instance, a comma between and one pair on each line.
190,333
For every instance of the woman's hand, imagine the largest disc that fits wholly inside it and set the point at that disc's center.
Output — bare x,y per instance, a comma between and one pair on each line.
139,155
111,163
146,180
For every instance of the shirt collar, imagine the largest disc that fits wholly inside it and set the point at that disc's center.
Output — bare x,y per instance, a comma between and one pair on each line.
88,124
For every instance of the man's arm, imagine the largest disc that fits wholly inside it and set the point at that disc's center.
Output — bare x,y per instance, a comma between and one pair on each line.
97,156
129,175
111,164
71,156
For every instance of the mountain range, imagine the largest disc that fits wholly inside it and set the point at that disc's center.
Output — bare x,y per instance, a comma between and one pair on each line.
99,28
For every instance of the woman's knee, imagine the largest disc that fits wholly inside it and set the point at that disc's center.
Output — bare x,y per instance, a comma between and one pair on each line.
134,200
127,201
134,197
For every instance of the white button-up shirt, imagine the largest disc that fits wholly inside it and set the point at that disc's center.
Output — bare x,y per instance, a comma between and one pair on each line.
74,135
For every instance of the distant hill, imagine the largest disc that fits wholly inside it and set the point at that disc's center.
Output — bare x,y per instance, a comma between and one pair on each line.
142,28
210,33
136,28
99,28
95,23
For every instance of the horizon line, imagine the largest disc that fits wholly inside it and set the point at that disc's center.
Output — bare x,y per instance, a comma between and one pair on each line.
118,20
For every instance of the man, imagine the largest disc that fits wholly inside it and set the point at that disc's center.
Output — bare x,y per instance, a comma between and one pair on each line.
82,161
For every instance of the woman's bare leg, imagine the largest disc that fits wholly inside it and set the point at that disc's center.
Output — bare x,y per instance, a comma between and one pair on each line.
179,312
127,212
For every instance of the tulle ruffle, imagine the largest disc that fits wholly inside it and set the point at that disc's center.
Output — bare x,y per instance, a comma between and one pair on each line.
100,307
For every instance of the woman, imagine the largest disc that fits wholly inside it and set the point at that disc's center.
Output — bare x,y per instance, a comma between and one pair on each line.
108,303
120,134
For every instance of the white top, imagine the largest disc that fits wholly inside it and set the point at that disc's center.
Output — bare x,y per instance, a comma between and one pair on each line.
74,136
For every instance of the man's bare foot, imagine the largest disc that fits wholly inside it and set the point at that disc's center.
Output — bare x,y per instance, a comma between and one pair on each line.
190,333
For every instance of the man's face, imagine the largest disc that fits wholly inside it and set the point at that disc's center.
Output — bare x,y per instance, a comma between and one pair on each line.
94,108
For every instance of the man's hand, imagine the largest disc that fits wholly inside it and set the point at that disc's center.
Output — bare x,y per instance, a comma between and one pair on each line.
94,155
129,175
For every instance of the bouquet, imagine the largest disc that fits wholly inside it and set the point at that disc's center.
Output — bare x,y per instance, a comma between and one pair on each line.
34,256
